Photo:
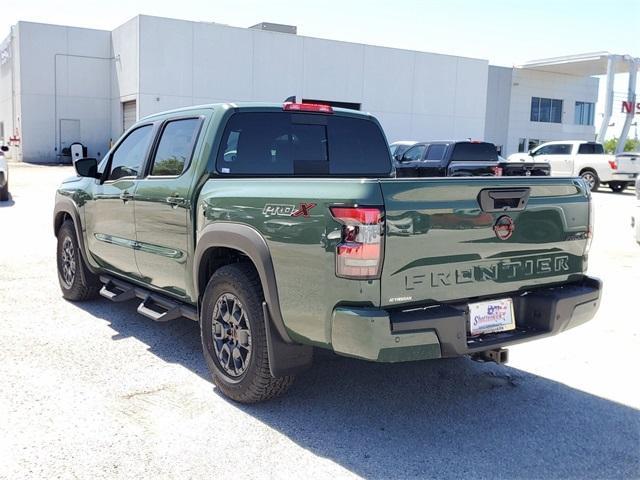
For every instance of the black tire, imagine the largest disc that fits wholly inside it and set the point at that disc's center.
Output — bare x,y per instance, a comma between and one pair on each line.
237,287
617,187
76,281
591,179
4,192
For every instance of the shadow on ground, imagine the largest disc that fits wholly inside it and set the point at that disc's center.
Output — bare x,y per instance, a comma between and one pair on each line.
446,419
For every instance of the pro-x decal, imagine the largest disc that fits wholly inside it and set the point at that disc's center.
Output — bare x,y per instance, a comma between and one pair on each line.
279,210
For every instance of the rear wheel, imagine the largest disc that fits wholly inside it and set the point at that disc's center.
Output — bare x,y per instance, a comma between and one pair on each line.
591,179
234,336
76,281
617,187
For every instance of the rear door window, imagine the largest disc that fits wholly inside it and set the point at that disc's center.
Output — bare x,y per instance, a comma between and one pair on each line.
273,143
175,147
436,151
591,149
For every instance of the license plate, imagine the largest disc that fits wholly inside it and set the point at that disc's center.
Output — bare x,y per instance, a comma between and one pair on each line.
491,316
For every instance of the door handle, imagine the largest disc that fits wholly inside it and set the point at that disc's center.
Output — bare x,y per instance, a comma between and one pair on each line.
125,196
175,201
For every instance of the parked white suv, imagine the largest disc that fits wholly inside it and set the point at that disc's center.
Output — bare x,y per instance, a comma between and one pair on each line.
4,175
580,158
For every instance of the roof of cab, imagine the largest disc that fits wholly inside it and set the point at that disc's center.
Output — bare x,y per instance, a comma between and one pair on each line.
249,106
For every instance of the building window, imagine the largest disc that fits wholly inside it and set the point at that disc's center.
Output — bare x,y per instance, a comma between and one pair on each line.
584,113
547,110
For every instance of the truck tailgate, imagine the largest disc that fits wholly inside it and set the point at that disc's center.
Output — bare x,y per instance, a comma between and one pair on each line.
441,245
628,163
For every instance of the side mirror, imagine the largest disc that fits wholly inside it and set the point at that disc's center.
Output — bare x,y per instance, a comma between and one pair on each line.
398,158
87,167
4,148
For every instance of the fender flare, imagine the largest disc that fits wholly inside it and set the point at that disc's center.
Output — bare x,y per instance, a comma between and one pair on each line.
66,205
251,243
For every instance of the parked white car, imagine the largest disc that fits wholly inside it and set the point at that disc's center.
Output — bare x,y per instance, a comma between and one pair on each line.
4,175
583,159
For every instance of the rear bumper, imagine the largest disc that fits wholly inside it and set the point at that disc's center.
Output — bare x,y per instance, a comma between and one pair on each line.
441,331
623,177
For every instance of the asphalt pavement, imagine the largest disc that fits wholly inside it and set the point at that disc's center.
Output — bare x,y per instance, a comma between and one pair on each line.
95,390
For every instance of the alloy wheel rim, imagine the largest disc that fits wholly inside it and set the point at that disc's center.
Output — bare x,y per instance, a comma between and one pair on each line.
68,262
231,335
589,178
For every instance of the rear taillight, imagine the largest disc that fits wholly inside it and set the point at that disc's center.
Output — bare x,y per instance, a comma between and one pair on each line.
613,164
307,107
359,253
590,226
497,171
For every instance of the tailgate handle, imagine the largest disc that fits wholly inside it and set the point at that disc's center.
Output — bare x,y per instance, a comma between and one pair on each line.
503,199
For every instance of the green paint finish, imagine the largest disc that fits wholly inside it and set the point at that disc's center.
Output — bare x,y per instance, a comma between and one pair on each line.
438,244
302,248
366,333
446,249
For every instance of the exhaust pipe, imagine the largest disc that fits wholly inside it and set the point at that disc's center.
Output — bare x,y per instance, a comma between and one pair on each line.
498,355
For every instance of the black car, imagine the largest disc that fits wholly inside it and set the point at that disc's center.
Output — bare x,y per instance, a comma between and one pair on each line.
448,159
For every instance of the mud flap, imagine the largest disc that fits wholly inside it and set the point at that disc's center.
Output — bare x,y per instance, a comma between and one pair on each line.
284,358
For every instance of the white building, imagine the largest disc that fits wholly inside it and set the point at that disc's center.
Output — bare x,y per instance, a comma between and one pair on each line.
60,85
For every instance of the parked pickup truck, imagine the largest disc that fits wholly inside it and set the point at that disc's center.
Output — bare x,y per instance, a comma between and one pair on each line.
580,158
523,167
280,228
446,159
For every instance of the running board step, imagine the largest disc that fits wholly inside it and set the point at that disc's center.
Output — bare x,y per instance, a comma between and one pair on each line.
149,308
117,293
157,307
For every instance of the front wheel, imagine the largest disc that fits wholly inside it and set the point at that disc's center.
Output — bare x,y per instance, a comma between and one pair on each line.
591,179
76,281
617,187
234,336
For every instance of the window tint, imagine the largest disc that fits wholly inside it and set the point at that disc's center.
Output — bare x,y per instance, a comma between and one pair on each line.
128,158
584,113
474,152
175,147
436,151
591,149
414,153
398,150
562,149
546,110
272,143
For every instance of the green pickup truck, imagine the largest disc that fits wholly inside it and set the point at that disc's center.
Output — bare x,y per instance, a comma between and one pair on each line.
282,228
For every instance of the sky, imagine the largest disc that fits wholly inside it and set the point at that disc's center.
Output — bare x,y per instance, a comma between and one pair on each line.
504,32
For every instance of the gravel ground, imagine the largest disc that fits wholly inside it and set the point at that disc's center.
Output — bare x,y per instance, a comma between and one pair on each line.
95,390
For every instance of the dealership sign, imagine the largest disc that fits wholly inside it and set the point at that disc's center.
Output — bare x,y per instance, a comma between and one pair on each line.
628,107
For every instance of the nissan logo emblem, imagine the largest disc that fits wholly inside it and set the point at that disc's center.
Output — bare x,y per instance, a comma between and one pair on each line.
504,227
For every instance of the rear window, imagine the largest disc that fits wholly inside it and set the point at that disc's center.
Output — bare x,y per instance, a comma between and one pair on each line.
591,149
274,143
474,152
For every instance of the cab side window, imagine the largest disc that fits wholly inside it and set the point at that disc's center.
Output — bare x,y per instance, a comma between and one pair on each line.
436,152
129,157
175,147
413,154
560,149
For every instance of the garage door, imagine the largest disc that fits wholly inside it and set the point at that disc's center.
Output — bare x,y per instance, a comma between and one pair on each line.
128,114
